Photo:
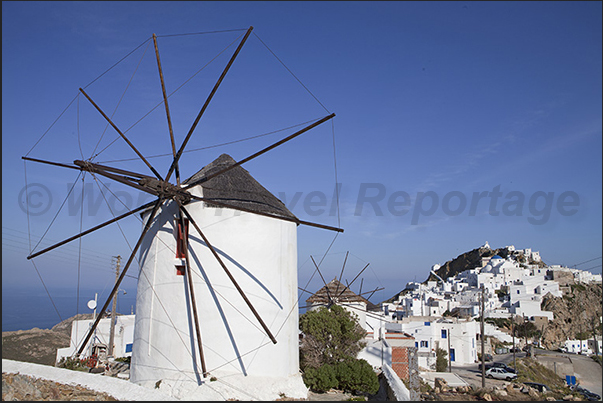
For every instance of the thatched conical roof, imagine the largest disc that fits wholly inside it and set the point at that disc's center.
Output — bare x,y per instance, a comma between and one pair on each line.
338,293
238,188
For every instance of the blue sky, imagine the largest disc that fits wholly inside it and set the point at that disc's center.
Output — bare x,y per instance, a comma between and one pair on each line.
436,103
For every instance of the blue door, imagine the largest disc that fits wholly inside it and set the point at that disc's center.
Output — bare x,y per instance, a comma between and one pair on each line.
451,355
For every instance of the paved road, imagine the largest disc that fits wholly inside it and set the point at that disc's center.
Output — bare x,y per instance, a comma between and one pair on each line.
588,373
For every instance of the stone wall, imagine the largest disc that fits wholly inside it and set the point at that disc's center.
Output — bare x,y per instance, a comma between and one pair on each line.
23,387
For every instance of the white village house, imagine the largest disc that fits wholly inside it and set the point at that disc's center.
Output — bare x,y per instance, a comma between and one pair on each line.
122,342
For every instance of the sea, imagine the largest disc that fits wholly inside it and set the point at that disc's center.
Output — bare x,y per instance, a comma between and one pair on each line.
24,309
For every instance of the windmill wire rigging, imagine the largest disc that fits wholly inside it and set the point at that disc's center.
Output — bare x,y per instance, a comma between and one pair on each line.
121,60
218,145
203,33
120,99
52,124
57,214
335,169
298,80
29,238
172,93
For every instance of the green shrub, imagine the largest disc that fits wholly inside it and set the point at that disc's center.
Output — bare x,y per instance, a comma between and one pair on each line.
441,361
320,379
74,364
356,376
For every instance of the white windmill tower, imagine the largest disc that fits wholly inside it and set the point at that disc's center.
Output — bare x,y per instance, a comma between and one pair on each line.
217,286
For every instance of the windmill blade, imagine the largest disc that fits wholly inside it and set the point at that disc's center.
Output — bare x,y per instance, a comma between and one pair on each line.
167,108
352,282
132,182
304,290
297,221
81,234
107,168
232,279
323,280
122,135
372,292
51,163
207,101
278,143
147,226
360,290
341,274
189,280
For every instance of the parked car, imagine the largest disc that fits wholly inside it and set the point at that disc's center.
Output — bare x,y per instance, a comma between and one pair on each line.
497,365
488,366
500,373
541,387
504,366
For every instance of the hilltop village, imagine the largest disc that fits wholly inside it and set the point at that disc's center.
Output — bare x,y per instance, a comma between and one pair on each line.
443,312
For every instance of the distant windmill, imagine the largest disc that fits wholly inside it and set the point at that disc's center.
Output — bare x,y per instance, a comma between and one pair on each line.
335,293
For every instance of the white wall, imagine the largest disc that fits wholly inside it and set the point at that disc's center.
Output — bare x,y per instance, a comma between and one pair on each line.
261,254
124,335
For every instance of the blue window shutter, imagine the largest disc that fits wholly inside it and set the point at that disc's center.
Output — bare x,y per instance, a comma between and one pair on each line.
129,348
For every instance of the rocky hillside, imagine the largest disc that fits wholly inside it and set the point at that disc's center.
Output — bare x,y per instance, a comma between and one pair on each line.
576,314
38,345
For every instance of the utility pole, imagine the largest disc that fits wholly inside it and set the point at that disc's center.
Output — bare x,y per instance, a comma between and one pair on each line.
513,332
112,331
483,339
449,357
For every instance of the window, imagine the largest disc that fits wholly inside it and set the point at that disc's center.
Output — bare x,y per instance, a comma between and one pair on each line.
179,235
427,323
424,343
444,333
180,270
129,348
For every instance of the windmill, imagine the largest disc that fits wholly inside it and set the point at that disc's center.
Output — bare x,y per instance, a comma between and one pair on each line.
212,246
336,293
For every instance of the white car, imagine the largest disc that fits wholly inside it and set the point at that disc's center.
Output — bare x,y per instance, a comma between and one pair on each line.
500,373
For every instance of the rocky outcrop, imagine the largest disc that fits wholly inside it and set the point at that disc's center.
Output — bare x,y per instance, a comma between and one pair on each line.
23,387
574,314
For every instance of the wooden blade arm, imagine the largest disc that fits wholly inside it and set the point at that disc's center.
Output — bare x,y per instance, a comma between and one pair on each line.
278,143
129,213
323,280
122,275
207,101
342,267
51,163
132,182
191,290
230,276
122,135
348,286
100,167
167,108
295,220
